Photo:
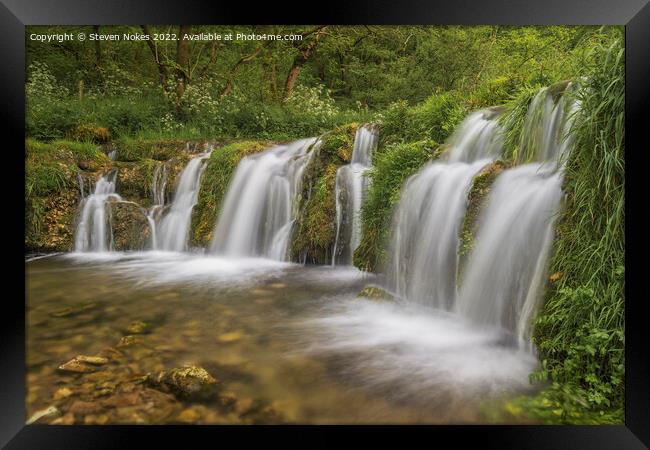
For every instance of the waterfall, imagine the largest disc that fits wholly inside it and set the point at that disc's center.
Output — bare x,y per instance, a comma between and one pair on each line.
92,227
259,209
508,264
175,225
506,270
426,226
351,185
158,185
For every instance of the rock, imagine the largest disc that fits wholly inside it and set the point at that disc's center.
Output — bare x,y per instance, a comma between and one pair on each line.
82,408
62,393
188,382
189,415
230,337
139,327
91,419
66,419
50,411
375,293
94,360
74,365
127,341
131,229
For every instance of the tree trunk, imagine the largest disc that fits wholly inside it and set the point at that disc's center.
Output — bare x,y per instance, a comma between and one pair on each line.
162,70
299,61
182,62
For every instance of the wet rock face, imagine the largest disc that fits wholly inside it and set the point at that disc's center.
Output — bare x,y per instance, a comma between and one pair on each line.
190,382
130,227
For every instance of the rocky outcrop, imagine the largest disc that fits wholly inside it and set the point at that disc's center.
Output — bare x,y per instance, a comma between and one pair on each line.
130,227
315,230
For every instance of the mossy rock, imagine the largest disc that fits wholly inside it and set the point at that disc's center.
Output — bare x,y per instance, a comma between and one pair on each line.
130,227
51,193
50,221
316,229
393,165
476,202
376,293
219,170
189,383
315,232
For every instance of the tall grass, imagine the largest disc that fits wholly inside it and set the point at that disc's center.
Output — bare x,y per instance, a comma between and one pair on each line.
580,331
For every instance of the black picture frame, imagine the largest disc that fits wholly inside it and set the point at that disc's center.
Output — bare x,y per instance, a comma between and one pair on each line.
16,14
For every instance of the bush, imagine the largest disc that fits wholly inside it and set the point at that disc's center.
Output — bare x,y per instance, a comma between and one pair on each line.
434,119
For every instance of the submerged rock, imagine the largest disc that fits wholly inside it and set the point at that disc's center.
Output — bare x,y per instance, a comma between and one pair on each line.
231,337
94,360
76,366
62,393
50,411
189,382
127,341
375,293
139,327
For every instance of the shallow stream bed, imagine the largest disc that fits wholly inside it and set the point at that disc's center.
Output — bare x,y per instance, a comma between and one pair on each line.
287,343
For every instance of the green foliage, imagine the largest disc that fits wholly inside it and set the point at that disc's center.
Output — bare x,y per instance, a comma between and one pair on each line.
392,167
580,331
315,233
512,121
214,184
433,119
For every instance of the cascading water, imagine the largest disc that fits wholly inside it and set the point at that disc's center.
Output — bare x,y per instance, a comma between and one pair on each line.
175,225
158,185
260,208
505,274
508,264
424,252
92,229
351,184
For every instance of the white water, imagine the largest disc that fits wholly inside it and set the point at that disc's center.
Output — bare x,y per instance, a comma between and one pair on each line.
425,233
424,255
175,224
93,228
507,267
351,186
260,206
506,271
158,185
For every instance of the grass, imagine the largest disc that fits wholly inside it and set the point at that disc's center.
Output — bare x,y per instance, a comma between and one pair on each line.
392,167
214,184
580,330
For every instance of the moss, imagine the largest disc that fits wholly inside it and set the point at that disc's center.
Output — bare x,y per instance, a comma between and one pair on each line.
315,232
220,167
393,166
476,201
131,150
90,133
51,193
